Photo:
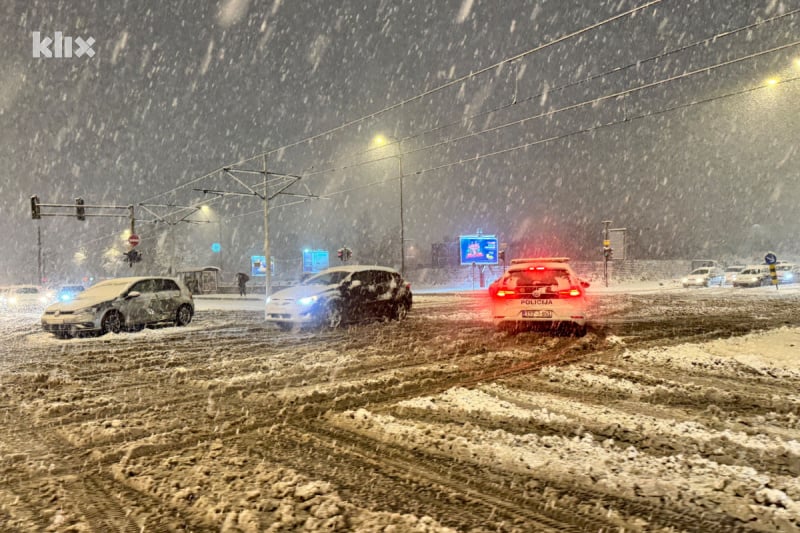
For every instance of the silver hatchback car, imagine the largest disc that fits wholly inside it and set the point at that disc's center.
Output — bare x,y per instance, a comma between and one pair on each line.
121,304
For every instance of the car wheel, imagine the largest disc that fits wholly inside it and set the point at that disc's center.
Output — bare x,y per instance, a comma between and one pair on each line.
333,316
183,316
400,311
63,335
111,323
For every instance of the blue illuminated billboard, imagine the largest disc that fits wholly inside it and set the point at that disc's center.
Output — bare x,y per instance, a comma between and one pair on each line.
258,266
315,260
478,249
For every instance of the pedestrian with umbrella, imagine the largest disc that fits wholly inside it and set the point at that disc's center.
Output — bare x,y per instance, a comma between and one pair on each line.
241,280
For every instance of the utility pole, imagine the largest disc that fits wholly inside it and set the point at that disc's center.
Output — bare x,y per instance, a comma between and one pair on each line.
267,258
265,197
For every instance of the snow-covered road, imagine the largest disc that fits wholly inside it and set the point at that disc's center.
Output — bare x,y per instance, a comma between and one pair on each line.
679,411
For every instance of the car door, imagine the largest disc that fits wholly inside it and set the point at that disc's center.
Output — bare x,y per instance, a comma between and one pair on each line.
361,294
142,309
384,292
168,298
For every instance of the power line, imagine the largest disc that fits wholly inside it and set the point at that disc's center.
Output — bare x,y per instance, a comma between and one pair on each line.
563,136
616,70
549,113
420,95
616,95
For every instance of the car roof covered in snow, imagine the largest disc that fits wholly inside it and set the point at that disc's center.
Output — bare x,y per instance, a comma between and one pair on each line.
357,268
550,263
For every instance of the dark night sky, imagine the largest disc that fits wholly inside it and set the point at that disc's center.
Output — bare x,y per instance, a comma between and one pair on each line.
177,89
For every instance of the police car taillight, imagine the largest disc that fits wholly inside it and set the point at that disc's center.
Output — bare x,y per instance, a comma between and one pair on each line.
502,293
574,292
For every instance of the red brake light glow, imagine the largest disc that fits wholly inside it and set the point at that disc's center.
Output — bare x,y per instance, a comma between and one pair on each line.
504,292
571,293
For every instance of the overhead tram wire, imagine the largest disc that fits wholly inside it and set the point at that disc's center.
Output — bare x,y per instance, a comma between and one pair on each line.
552,112
593,101
567,135
615,70
541,141
417,97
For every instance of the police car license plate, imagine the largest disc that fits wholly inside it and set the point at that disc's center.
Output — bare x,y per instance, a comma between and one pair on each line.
537,314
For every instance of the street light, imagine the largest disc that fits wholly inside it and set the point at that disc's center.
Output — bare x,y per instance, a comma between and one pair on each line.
382,140
206,210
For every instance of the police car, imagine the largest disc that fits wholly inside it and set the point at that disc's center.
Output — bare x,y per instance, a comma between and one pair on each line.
541,290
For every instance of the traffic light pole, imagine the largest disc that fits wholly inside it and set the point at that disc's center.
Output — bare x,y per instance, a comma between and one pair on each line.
606,249
81,214
41,258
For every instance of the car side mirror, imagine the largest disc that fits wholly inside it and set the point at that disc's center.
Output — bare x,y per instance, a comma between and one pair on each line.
133,294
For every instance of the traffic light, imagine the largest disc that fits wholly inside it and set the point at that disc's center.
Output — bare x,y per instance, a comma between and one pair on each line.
344,254
608,253
133,256
36,211
80,211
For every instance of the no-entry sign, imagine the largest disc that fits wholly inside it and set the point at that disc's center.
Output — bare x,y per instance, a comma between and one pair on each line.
133,240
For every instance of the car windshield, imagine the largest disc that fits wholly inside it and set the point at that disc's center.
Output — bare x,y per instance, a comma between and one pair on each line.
104,290
537,278
27,290
750,271
71,288
327,278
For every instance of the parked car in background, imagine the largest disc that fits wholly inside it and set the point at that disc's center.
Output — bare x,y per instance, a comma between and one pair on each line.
788,272
67,293
731,272
704,277
339,295
121,304
753,276
543,290
24,298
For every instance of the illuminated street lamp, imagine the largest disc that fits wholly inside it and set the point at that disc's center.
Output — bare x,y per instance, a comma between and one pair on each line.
382,140
217,246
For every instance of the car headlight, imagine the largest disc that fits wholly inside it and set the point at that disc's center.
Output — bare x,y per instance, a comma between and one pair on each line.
268,299
685,280
308,300
12,300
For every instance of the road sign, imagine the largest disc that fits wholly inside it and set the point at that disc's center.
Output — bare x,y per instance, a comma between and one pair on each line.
770,258
133,240
773,273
